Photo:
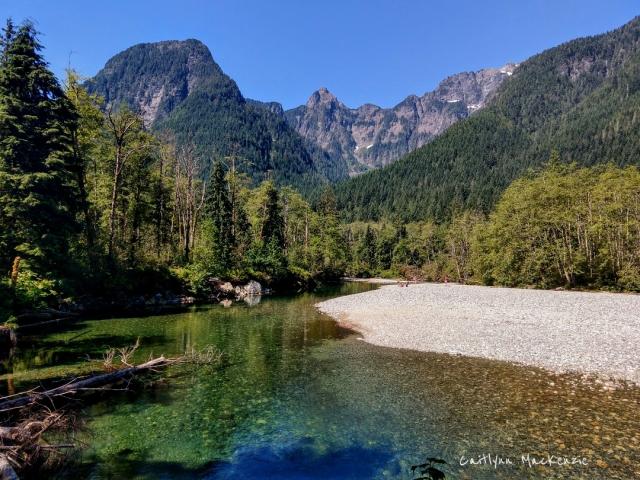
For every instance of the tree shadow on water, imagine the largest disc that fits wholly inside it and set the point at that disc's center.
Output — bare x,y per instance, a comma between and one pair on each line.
303,461
131,464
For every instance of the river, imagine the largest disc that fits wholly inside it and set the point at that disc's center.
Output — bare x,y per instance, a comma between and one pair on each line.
297,397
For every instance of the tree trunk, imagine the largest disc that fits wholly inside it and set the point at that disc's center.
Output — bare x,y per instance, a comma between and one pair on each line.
88,383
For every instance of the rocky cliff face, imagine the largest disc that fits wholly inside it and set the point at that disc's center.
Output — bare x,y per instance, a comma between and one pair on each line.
177,86
179,89
370,137
154,78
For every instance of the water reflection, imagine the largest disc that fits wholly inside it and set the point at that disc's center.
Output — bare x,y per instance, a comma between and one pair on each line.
302,459
291,402
252,300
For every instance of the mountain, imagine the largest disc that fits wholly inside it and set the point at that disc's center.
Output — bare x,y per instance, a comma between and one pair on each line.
581,98
370,137
180,91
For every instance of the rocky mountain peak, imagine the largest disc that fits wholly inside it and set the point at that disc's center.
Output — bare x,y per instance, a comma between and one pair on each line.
153,78
370,136
322,96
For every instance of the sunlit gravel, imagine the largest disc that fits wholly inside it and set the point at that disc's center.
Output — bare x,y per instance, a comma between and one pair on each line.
593,333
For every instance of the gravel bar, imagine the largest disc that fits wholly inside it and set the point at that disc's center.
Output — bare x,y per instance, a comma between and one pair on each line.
588,332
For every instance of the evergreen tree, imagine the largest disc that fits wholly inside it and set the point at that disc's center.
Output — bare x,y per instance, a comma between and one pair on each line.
218,211
38,191
273,225
368,249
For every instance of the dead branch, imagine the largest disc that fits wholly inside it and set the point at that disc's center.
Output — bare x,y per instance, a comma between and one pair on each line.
22,445
91,382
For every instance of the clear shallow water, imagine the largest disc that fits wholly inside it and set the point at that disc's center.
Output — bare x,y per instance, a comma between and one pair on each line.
296,397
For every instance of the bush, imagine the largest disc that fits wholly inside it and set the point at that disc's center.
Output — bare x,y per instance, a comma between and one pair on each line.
34,291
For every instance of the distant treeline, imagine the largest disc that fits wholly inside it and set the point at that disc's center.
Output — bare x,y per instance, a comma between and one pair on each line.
564,226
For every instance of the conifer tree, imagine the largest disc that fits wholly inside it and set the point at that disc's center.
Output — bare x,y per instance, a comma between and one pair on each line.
368,249
218,211
273,226
38,191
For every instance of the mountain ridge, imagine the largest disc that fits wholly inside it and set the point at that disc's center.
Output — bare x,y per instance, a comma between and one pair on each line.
580,98
179,89
369,136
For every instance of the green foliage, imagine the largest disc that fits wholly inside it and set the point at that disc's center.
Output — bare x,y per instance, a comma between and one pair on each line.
272,224
38,197
566,226
267,262
32,290
218,229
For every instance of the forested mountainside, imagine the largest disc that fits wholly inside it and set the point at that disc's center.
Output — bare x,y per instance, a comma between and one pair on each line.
94,203
369,137
581,98
183,95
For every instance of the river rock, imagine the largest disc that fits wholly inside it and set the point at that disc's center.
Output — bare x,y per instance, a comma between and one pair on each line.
250,289
253,288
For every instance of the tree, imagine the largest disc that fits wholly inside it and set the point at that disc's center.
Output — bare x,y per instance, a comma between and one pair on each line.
189,197
38,191
328,252
125,130
367,249
459,237
217,211
272,230
85,135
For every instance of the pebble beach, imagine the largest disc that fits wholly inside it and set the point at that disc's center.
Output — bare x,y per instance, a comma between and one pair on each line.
592,333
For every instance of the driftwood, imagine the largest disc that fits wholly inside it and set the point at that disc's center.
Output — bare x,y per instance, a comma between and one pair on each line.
88,383
22,446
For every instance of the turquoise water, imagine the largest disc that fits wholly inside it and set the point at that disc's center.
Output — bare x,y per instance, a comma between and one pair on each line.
297,397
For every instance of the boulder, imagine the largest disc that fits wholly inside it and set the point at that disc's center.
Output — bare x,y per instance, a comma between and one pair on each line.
253,288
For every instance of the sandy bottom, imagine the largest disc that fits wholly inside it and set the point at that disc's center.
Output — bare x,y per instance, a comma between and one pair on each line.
592,333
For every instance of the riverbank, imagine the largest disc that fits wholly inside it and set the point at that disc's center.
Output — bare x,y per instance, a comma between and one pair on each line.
374,280
586,332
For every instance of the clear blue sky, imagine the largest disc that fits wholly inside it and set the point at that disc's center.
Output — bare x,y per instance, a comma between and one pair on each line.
362,50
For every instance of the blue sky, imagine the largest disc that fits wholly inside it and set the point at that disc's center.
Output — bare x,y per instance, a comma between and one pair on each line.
362,50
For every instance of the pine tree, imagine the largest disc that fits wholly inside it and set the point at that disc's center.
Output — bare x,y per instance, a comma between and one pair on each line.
218,211
38,190
273,226
368,249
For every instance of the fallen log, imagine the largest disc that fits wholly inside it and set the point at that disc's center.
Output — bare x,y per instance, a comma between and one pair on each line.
22,445
84,384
